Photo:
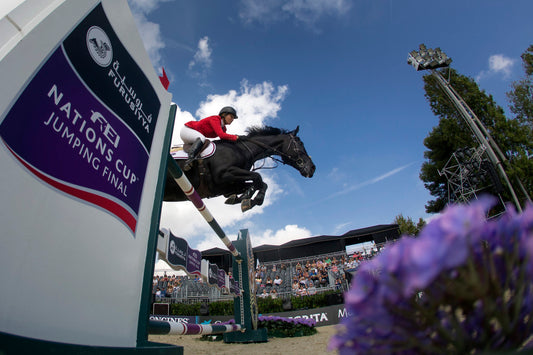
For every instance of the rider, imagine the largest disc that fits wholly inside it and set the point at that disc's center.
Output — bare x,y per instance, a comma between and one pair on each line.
195,132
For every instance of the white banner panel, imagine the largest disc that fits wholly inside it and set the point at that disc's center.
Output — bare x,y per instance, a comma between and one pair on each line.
83,118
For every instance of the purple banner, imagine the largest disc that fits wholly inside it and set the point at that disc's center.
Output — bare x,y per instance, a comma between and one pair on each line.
84,122
177,251
67,138
212,277
221,278
194,261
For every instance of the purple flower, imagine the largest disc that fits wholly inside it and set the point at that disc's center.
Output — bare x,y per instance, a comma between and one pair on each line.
464,284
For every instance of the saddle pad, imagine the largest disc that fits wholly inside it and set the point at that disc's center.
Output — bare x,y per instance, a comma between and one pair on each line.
177,152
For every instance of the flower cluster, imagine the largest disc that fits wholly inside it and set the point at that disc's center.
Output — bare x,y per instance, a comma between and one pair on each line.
463,285
281,327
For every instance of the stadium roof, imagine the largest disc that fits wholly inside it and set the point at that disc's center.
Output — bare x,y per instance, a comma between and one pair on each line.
308,247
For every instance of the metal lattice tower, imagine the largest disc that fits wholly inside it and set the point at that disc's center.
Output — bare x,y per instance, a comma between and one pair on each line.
469,172
432,59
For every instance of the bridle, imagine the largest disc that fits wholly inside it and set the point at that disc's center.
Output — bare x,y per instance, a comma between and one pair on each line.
286,158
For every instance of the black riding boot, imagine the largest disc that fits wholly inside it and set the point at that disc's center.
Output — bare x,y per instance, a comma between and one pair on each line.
196,148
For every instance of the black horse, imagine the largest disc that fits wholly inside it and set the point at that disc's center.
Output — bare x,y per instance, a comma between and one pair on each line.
228,171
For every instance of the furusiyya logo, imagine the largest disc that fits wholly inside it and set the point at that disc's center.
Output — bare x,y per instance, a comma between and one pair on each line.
99,46
172,247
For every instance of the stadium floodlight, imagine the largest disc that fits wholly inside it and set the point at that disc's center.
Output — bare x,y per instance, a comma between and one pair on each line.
431,59
427,58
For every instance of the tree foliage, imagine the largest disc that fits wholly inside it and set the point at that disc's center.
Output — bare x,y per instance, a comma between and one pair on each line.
452,133
521,105
407,226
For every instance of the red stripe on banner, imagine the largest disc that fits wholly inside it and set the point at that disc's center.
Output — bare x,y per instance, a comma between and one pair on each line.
95,199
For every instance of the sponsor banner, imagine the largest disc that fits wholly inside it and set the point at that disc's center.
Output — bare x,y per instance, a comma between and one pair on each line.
323,316
175,319
212,277
330,315
194,261
177,251
113,75
182,257
84,122
221,280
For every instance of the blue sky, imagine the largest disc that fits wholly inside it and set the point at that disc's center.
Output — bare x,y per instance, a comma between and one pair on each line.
338,69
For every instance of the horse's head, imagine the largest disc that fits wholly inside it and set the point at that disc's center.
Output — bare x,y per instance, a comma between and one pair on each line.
286,144
296,155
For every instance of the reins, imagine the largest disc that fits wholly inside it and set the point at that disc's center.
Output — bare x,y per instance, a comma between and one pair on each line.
270,150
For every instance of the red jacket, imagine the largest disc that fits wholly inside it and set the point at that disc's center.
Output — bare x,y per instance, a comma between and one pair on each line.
211,127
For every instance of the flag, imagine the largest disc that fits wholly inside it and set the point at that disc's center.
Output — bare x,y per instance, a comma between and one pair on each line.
164,79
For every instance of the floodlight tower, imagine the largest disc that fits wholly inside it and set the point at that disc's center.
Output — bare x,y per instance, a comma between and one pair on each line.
431,59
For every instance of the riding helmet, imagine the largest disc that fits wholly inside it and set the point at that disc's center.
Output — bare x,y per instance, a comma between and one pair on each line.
228,109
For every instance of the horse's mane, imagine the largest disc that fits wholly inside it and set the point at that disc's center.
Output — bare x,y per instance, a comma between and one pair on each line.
264,131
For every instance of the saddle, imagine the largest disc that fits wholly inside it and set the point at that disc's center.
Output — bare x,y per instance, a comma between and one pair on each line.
181,151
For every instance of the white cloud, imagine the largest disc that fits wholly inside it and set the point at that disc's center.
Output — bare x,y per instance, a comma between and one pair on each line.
309,11
501,64
288,233
150,32
202,57
185,221
377,179
498,64
201,63
341,228
303,11
145,6
255,104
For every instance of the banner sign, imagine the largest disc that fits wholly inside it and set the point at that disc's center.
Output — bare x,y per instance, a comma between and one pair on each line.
178,252
329,315
180,256
221,278
84,122
194,261
212,278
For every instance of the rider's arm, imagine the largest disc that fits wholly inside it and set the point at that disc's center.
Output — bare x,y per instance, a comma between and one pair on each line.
215,124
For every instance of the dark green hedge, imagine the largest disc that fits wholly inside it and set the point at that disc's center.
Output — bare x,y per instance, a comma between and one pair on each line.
265,305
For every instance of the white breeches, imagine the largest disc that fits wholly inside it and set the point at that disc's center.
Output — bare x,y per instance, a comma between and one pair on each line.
189,135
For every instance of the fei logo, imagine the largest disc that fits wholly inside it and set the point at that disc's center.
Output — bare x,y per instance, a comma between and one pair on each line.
172,247
99,46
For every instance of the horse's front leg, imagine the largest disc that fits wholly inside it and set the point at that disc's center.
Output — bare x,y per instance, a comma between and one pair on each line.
260,198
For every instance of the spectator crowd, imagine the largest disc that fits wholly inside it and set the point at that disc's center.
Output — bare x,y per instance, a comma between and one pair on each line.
301,277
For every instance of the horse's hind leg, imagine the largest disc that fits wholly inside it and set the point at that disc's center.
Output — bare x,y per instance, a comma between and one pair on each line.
249,203
234,199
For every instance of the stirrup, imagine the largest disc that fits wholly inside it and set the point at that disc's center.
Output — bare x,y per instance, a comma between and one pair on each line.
188,164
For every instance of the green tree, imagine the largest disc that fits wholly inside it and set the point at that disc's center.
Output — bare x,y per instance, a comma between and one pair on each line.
520,97
407,225
521,105
452,133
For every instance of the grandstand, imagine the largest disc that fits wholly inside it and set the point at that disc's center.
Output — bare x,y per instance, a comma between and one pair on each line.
306,272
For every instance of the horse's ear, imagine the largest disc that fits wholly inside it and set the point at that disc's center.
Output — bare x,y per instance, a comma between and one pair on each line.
295,132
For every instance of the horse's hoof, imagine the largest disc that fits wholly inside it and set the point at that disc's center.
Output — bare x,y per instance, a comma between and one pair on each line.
246,205
231,200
